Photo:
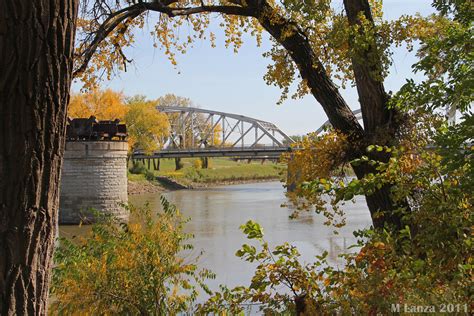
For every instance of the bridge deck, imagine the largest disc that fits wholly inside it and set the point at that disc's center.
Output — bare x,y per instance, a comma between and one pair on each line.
244,152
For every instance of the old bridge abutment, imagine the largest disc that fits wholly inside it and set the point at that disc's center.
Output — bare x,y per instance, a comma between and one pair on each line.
94,176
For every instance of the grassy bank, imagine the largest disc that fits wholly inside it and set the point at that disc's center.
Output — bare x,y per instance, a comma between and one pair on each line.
221,170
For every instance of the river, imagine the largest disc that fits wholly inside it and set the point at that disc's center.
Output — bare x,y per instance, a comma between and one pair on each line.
216,214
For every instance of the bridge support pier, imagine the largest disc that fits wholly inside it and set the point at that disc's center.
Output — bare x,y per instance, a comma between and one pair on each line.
94,176
156,165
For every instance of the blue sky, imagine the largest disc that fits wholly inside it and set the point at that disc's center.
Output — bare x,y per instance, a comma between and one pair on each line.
219,79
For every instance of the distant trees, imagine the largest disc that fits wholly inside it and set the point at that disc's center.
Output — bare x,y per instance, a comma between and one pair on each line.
295,138
178,141
183,137
147,128
103,104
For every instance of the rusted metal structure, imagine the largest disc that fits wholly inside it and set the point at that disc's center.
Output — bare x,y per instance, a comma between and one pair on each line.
92,129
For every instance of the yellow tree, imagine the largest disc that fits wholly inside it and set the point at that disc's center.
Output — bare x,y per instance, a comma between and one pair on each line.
103,104
147,128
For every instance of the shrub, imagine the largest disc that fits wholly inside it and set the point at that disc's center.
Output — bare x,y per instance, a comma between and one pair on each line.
387,271
193,174
138,168
128,269
149,175
197,163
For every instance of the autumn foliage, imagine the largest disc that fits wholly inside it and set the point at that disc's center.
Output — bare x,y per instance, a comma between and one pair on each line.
128,269
147,128
103,104
414,167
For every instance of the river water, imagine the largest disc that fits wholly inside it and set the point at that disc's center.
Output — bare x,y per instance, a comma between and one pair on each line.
216,214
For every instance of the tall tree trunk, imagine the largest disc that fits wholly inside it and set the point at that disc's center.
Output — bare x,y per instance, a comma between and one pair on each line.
380,204
380,127
36,55
367,65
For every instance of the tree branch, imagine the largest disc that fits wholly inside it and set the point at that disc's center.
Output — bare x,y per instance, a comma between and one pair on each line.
104,30
293,39
285,32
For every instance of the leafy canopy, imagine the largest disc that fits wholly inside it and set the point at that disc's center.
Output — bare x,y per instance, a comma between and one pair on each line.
107,28
103,104
147,128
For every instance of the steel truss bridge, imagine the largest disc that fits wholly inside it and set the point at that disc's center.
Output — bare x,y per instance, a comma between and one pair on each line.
198,132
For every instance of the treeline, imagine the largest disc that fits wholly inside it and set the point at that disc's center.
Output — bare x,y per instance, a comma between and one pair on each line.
147,128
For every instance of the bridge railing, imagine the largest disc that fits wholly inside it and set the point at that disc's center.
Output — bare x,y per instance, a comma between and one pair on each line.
269,151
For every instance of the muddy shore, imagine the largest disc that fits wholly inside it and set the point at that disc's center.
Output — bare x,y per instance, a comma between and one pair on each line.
143,187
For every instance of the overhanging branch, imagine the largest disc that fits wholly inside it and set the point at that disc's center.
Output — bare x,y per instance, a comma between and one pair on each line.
131,12
295,42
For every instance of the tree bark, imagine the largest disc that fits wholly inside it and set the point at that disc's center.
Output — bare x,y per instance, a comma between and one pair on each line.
36,55
310,67
367,65
380,127
380,203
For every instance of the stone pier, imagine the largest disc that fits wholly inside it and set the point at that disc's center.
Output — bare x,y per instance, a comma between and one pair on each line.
94,176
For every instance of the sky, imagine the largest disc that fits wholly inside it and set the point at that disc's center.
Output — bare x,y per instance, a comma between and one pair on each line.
218,79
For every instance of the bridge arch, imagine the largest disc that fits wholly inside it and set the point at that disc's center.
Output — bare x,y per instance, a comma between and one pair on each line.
197,132
195,128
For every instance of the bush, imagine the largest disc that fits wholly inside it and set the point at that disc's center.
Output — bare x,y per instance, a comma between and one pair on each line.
128,269
149,175
197,163
389,270
138,168
193,174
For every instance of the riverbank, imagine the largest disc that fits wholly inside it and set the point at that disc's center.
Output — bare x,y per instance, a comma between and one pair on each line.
143,186
221,172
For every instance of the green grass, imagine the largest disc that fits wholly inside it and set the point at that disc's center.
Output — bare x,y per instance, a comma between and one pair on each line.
136,177
220,170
